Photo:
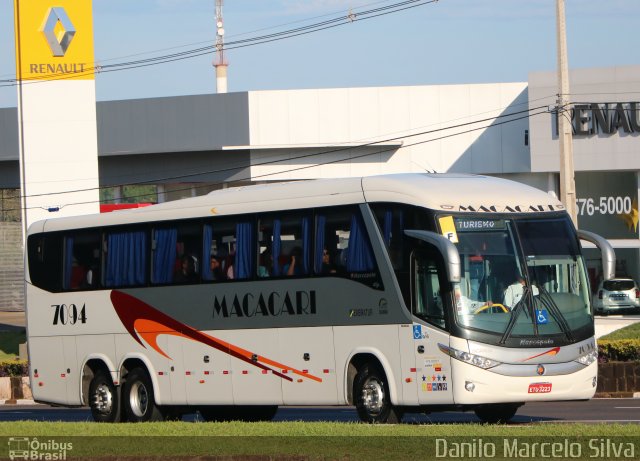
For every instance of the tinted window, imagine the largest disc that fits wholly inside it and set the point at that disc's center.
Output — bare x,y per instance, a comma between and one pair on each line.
618,285
547,237
45,261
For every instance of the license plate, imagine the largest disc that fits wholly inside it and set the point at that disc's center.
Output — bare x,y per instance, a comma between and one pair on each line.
539,388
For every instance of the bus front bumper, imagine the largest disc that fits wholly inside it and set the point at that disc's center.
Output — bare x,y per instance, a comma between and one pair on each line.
474,385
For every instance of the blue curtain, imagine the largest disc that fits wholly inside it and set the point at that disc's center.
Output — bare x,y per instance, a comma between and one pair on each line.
360,254
164,256
126,259
206,252
68,262
276,247
320,224
306,244
244,251
388,221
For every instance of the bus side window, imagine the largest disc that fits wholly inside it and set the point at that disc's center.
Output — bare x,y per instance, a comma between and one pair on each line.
81,260
125,258
45,254
428,304
342,246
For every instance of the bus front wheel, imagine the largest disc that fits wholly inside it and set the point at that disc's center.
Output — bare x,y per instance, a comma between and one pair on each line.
138,398
371,395
497,413
103,398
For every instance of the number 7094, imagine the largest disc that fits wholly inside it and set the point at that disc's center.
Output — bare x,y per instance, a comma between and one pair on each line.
69,314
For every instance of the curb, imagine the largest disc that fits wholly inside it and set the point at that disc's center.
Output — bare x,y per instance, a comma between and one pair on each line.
617,395
18,402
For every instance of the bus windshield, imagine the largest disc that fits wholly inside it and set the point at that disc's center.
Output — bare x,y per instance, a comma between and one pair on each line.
521,277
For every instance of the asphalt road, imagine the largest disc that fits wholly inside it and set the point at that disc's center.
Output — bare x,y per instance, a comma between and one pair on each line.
593,411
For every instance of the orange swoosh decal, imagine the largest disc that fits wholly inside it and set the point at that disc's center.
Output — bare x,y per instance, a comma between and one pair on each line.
147,323
553,351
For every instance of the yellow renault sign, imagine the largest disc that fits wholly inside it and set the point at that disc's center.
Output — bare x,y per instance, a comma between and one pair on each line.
54,39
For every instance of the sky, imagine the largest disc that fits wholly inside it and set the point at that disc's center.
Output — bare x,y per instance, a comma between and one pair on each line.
444,42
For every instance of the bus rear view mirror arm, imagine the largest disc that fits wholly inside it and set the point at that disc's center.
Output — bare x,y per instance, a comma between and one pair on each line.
446,248
608,254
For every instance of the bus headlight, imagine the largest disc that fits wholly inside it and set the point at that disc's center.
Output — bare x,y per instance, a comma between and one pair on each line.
588,358
466,357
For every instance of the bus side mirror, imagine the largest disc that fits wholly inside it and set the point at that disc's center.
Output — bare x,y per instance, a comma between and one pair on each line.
608,254
447,249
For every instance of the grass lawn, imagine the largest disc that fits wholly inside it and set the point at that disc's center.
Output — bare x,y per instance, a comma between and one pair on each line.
629,332
302,440
309,441
9,342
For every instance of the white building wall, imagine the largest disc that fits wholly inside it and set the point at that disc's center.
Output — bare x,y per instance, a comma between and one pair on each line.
60,148
415,124
596,152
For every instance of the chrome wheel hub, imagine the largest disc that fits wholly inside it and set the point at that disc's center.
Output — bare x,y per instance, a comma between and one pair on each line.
139,399
103,399
373,396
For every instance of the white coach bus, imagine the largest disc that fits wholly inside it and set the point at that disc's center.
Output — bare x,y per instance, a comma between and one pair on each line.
397,293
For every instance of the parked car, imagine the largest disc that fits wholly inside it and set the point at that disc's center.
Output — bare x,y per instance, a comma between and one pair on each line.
617,296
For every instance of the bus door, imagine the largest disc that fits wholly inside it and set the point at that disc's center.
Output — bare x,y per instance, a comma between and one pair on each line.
430,292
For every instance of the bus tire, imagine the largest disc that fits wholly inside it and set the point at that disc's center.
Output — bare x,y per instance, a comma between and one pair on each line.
139,399
371,396
104,400
497,413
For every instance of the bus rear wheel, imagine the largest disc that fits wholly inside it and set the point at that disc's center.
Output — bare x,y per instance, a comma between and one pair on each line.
139,399
498,413
104,400
371,395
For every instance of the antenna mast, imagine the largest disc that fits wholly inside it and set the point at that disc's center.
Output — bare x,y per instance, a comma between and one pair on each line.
219,62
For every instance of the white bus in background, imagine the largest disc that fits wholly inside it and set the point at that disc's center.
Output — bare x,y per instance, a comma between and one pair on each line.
383,292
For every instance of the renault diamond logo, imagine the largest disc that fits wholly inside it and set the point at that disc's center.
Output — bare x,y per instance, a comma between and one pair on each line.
58,30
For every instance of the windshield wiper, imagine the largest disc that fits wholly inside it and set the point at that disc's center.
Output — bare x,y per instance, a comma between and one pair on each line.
515,313
554,310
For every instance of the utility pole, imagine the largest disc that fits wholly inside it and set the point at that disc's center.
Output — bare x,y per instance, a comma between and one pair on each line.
565,133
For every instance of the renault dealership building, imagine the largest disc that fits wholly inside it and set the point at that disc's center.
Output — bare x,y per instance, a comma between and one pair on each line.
189,145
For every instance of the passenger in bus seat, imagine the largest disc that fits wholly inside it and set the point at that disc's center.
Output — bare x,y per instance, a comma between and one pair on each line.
266,264
77,275
228,270
92,276
187,272
327,265
216,269
294,266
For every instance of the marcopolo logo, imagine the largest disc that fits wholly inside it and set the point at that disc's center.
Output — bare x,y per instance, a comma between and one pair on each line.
58,30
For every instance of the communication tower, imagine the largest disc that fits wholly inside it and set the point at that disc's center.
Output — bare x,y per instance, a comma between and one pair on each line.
219,62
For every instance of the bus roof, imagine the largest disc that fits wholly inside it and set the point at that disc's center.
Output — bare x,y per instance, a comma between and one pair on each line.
442,192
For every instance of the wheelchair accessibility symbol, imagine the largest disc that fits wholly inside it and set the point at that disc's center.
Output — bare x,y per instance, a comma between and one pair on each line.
542,316
417,332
